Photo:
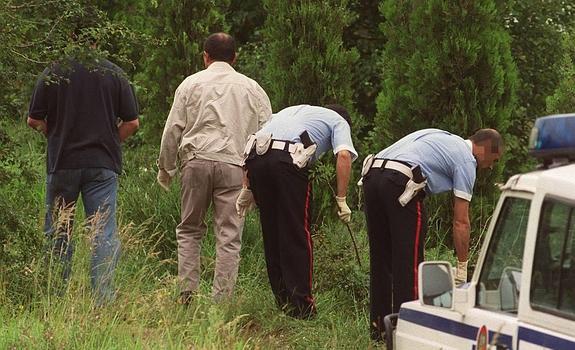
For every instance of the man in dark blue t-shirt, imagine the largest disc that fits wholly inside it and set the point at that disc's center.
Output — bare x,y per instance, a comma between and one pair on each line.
85,110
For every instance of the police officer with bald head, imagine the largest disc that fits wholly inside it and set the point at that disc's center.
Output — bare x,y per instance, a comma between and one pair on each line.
395,182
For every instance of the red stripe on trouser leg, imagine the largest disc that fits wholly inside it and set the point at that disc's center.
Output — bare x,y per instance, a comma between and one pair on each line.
416,250
309,243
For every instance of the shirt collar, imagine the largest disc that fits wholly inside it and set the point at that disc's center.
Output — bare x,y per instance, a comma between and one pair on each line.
470,145
221,66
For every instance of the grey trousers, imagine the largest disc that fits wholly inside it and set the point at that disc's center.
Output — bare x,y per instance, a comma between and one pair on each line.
205,182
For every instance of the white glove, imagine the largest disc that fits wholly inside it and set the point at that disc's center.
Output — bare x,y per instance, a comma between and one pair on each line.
245,202
461,273
164,179
343,211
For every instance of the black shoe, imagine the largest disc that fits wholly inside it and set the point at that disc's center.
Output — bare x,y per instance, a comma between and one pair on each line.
376,333
302,313
185,298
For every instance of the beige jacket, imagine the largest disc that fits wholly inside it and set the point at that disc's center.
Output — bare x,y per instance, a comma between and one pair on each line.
213,113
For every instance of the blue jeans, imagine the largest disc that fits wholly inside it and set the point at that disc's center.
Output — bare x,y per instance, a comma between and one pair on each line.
98,187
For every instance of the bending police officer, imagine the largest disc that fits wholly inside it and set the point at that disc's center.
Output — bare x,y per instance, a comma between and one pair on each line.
278,164
395,182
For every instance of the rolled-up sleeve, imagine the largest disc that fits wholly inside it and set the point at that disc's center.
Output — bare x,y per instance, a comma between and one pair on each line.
341,139
172,134
463,180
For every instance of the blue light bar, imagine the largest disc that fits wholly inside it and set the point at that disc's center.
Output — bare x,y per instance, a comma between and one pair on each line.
553,137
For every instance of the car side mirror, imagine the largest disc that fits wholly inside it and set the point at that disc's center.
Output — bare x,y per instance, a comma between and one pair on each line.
436,284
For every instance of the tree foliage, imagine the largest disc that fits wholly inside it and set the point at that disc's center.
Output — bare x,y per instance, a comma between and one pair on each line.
307,60
246,19
563,98
446,65
364,34
536,28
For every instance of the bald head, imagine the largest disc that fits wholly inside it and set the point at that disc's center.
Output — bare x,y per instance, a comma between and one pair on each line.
488,136
220,47
488,147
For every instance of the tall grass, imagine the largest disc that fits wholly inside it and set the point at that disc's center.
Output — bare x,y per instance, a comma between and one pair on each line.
145,314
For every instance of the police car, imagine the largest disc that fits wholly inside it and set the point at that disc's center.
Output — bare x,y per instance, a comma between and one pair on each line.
522,293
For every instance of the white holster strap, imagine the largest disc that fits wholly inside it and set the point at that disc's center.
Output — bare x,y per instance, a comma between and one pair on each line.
411,190
366,166
301,155
263,142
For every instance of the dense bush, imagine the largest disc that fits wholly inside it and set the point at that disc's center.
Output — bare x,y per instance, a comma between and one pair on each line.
21,204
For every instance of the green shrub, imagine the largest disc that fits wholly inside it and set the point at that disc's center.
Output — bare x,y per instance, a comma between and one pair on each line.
21,185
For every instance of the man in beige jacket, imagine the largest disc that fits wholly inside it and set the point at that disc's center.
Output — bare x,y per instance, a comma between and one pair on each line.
213,113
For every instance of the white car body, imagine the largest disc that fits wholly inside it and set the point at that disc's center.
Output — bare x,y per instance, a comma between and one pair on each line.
521,296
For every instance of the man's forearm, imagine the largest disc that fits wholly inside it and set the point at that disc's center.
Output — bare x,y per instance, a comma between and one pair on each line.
343,172
461,228
127,129
38,125
461,240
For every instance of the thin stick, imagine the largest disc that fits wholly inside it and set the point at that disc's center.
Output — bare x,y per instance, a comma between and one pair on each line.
348,230
354,245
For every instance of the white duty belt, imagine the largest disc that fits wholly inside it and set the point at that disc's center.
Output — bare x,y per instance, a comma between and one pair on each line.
393,165
411,188
284,146
300,154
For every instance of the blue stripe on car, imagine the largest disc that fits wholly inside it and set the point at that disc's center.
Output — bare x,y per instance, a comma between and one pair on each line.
545,340
449,326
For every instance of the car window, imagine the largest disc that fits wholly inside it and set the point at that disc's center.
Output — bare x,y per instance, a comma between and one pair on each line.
553,278
500,278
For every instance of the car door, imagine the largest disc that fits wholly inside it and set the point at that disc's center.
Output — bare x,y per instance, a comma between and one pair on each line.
547,320
489,319
500,274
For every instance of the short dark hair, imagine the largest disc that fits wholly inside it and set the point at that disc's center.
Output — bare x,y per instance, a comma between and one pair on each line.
482,136
220,47
341,110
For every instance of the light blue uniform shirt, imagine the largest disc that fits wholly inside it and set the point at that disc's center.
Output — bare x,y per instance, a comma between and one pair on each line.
325,127
445,159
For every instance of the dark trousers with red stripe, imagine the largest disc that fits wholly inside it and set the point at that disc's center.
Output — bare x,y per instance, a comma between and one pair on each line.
282,192
396,242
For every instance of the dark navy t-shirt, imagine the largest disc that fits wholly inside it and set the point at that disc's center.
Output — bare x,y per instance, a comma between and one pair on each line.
82,105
